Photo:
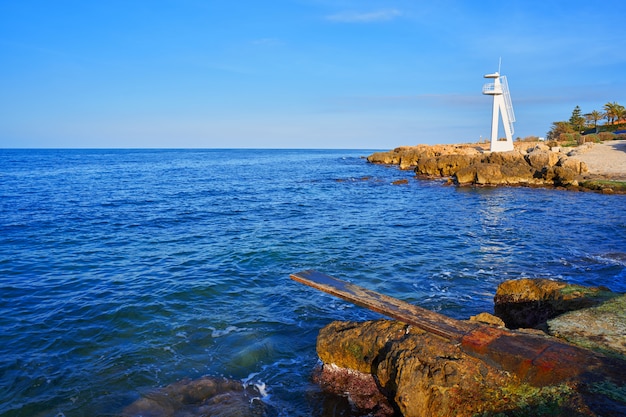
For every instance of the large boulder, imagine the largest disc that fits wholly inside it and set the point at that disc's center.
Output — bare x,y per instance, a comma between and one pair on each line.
564,176
531,303
385,158
467,175
443,165
421,375
518,172
450,164
489,174
601,328
409,158
503,158
427,166
538,159
576,165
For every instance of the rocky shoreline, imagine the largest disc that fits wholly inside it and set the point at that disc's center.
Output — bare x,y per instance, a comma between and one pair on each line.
530,164
389,368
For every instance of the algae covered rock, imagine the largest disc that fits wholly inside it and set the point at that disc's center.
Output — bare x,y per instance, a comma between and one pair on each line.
419,374
532,302
336,343
601,328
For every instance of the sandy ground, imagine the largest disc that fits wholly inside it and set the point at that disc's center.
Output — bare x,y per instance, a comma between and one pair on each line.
606,159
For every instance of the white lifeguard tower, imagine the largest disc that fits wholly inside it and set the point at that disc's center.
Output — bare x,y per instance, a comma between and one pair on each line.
499,89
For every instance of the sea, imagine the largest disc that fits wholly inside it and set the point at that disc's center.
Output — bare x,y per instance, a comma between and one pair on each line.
123,271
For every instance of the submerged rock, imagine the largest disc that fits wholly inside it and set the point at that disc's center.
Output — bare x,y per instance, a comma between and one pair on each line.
207,396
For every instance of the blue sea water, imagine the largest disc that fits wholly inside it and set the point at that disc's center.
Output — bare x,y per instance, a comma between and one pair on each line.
122,271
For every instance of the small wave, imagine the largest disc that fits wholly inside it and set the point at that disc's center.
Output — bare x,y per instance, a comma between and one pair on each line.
611,258
215,333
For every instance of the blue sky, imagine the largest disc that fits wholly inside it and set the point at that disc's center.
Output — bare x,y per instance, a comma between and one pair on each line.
362,74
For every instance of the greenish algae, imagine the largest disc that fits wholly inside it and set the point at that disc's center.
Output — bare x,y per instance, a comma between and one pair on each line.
526,400
605,185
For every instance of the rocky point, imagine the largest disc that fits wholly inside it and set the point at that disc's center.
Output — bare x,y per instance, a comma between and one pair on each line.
533,164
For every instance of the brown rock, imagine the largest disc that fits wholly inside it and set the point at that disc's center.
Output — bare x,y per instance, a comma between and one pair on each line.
538,159
200,397
443,165
356,353
564,176
538,165
518,172
489,174
361,388
538,147
488,319
574,164
449,164
504,158
409,158
466,175
386,158
423,375
601,328
427,166
531,302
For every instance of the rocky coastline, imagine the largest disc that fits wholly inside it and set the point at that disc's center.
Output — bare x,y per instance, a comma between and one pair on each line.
530,164
389,368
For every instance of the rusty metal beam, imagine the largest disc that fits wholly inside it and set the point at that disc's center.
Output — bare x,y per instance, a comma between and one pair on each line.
534,359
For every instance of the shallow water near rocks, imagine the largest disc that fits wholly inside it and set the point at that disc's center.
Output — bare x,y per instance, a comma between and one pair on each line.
122,271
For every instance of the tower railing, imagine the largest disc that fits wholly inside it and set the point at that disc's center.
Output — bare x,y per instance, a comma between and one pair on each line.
507,102
491,89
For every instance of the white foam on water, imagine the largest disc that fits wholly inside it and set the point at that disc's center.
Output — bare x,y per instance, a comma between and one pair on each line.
262,388
215,333
612,258
258,385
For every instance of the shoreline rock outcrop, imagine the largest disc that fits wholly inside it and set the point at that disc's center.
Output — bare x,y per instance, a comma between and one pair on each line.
528,165
410,372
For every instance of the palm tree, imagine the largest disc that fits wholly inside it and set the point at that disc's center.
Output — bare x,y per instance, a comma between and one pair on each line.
620,114
610,112
594,117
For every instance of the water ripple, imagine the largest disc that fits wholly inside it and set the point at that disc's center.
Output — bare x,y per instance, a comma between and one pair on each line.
122,271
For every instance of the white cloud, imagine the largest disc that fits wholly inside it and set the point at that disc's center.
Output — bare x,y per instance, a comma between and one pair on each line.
365,17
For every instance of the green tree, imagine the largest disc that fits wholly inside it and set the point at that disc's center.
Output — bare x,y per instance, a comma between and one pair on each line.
620,113
577,120
558,128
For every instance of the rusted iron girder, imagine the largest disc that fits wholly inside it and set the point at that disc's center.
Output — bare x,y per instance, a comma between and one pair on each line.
537,360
